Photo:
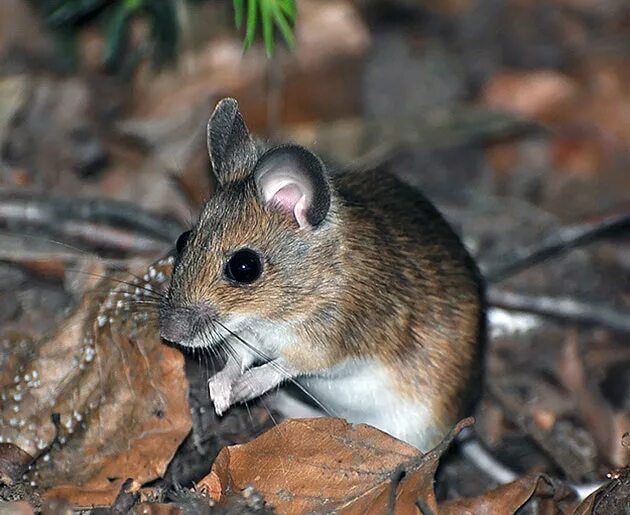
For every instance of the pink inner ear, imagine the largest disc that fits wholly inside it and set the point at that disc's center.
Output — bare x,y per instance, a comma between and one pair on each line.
287,197
291,199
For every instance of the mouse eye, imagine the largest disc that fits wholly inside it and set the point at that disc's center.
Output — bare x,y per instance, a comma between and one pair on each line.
182,241
244,266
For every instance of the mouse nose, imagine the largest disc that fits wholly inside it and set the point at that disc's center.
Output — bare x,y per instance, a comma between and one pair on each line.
175,324
179,324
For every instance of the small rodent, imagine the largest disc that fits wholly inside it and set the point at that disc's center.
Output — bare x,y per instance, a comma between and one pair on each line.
351,284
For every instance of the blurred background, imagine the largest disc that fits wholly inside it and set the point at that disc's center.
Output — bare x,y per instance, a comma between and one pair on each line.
524,99
512,115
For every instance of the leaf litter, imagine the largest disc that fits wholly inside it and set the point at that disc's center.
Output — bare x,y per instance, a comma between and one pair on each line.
118,394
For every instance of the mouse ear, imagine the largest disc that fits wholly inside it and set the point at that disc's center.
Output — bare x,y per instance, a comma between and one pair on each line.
232,149
292,179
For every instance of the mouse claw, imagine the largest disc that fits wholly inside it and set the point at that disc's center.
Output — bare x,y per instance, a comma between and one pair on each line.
220,393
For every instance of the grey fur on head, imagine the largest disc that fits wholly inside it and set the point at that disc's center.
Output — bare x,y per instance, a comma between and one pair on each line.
231,148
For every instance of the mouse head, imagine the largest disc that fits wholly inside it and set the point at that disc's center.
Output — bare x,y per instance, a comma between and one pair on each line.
264,249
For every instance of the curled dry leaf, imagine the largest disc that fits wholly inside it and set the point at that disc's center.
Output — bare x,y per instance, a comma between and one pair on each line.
13,463
540,95
325,464
120,393
511,497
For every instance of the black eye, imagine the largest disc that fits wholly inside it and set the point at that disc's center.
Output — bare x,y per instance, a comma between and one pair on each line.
244,266
182,241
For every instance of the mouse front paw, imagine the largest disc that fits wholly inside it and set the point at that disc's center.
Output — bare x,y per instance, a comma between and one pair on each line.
258,381
244,390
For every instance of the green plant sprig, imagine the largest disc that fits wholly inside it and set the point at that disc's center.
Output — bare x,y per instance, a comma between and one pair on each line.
270,13
116,16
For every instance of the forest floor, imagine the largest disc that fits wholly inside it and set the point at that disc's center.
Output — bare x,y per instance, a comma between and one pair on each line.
513,117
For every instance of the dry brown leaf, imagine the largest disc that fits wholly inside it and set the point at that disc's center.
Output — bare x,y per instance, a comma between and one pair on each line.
542,95
121,395
324,464
509,498
13,463
586,506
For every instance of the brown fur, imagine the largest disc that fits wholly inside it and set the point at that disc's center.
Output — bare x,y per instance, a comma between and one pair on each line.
378,274
383,277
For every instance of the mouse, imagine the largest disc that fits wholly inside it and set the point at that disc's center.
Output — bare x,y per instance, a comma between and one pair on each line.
349,284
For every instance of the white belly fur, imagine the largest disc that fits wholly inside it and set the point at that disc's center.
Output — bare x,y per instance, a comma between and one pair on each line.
362,392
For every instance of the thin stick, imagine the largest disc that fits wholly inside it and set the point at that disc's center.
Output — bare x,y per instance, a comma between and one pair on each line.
19,207
561,308
564,239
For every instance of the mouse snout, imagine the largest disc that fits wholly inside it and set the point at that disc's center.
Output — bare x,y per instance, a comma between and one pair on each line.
180,324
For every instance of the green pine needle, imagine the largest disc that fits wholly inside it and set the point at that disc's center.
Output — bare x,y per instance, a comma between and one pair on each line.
272,14
283,26
288,7
67,16
238,13
267,25
250,29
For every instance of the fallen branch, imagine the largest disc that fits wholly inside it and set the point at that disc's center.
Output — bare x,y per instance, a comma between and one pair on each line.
561,308
559,242
512,407
43,211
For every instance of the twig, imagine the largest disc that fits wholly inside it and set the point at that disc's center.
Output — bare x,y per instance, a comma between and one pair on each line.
455,128
126,499
561,241
423,507
396,477
472,448
27,208
561,308
55,418
513,410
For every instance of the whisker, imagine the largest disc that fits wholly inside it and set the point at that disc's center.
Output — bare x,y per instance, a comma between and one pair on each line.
157,294
87,253
125,299
77,253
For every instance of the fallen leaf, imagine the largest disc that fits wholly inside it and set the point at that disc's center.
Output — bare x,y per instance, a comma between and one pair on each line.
509,498
325,464
119,392
541,95
13,463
